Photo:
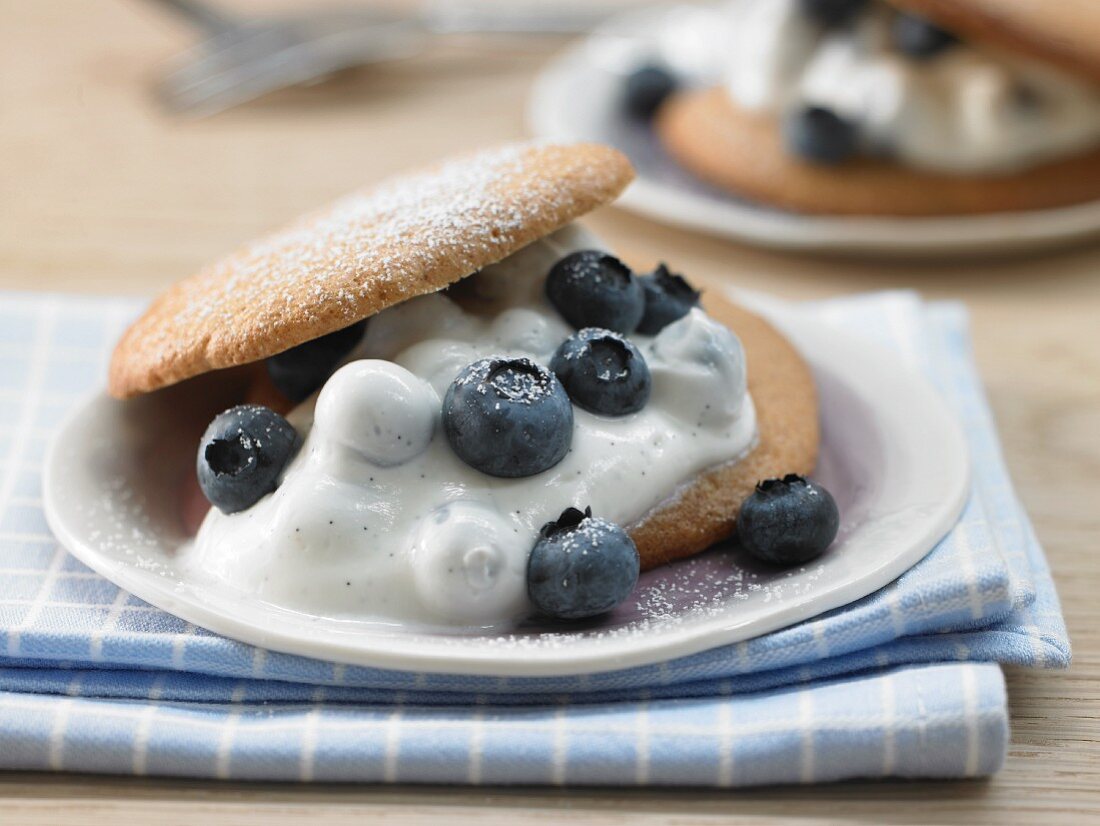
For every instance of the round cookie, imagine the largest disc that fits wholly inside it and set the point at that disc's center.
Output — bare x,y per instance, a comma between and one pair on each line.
744,153
705,510
1063,33
412,235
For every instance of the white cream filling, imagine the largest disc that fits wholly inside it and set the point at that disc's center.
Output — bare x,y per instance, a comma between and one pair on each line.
965,110
377,518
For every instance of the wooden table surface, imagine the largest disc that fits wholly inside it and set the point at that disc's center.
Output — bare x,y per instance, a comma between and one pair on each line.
101,192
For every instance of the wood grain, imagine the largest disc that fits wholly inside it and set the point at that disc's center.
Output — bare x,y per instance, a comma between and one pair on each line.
101,192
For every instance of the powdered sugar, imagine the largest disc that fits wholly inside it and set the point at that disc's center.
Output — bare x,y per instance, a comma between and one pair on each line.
394,233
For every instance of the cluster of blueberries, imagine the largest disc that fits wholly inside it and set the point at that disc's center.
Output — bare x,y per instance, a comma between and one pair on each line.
511,417
815,133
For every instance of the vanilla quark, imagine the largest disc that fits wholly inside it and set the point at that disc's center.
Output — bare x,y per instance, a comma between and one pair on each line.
377,518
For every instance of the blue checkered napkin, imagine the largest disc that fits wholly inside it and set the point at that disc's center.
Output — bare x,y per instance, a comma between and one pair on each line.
926,721
91,678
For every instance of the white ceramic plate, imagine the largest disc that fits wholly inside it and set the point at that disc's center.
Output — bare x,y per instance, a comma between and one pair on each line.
578,97
115,471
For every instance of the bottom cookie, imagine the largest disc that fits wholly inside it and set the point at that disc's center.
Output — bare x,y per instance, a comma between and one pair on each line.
744,153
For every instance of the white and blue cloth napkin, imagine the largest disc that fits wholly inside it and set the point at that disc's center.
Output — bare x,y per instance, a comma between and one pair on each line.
901,683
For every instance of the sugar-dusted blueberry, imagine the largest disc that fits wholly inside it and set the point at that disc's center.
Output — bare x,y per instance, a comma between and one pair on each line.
820,135
581,566
646,89
919,37
299,371
788,521
668,297
508,417
593,289
242,454
833,13
602,372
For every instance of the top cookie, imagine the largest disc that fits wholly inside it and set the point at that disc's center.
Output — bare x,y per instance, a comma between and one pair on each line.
1064,33
409,236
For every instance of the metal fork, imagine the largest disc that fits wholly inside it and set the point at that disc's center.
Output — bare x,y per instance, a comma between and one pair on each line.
244,58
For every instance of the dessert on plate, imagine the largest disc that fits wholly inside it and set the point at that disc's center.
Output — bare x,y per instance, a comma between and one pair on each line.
892,107
459,408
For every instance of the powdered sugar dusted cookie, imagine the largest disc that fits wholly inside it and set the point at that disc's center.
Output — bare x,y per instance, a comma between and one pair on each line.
412,235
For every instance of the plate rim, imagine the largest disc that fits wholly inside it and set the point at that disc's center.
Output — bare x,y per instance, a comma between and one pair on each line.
408,652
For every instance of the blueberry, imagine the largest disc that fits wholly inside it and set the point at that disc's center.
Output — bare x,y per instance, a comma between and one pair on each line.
788,521
919,38
668,298
508,417
581,566
242,454
297,372
646,89
833,13
593,289
602,372
820,135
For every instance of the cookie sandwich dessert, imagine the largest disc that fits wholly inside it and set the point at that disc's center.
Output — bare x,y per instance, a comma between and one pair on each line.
458,409
893,107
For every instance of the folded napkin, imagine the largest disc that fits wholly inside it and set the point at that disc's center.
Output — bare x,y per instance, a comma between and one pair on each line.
900,683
